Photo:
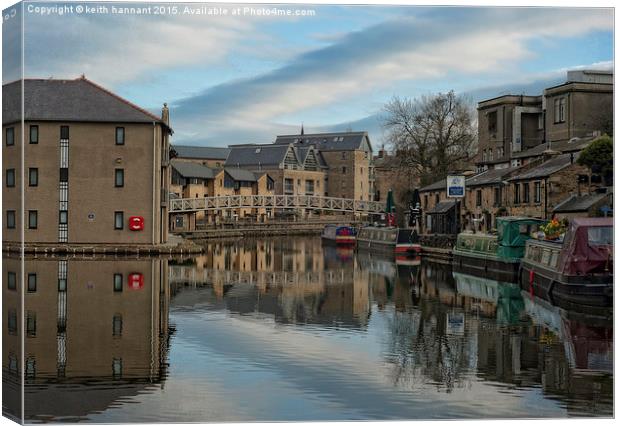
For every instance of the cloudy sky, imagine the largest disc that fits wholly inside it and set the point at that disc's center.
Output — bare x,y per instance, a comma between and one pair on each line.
245,79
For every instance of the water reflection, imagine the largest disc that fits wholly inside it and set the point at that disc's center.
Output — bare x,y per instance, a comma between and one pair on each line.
288,329
95,332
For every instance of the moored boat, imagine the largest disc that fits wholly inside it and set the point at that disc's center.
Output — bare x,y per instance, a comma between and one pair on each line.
578,270
495,256
400,241
339,234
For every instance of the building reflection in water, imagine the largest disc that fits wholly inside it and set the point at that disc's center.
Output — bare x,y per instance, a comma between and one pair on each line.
95,331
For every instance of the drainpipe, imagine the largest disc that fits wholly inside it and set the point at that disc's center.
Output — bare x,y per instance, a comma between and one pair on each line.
546,196
155,207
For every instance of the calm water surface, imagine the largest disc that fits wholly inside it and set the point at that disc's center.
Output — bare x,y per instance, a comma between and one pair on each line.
287,329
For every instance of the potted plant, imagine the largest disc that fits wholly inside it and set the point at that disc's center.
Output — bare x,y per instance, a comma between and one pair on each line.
553,229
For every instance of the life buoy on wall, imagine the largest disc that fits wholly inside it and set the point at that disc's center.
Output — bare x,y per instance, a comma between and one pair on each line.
135,281
136,223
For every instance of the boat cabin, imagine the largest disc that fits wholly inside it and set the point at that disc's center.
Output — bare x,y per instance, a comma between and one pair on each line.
507,243
587,249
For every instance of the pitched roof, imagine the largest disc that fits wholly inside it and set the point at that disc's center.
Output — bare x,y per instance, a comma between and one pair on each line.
576,203
69,100
489,177
344,141
547,168
256,155
440,184
573,145
442,207
302,154
202,152
241,174
192,170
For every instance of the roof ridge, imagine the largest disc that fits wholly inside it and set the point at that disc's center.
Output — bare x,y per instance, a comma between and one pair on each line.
131,104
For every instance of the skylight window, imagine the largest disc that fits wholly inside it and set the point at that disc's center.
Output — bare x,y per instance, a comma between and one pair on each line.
257,151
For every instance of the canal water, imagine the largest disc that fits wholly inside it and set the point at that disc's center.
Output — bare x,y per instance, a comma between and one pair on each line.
290,329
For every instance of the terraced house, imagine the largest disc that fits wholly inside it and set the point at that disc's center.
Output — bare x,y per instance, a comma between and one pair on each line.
192,180
95,165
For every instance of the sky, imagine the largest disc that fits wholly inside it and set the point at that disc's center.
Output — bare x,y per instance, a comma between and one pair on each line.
247,78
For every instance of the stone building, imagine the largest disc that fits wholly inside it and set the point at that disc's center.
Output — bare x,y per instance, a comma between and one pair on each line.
580,106
508,124
194,180
294,170
512,128
347,157
599,203
95,165
534,192
213,157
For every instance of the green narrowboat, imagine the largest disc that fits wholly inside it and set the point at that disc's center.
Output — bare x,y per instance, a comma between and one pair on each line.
495,256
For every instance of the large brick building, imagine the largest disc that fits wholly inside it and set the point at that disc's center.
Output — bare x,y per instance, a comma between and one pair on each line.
93,162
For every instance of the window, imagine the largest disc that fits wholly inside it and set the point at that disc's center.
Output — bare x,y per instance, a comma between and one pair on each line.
64,174
10,178
62,285
120,136
33,177
117,325
517,193
11,280
63,217
32,283
436,198
601,236
118,282
119,178
118,220
33,219
344,170
425,201
537,192
479,197
10,136
541,121
559,110
498,196
484,155
10,219
31,324
117,368
526,192
309,187
64,132
492,118
34,134
12,322
344,155
288,186
490,154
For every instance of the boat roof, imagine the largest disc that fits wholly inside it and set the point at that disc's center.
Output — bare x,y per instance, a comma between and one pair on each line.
519,219
593,221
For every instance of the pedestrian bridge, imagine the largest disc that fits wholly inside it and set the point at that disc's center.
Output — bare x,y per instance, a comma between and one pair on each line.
276,202
180,274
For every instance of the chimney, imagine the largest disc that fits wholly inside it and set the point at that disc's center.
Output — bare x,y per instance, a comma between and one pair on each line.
165,115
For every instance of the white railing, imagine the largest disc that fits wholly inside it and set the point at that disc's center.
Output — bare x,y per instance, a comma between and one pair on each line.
185,274
314,202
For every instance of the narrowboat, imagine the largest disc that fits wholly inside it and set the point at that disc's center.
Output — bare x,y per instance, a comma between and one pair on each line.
575,271
506,297
496,256
399,241
339,234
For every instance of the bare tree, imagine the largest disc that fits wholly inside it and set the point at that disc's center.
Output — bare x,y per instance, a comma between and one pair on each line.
431,135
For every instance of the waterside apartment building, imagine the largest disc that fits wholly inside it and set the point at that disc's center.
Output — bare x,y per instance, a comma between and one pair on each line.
95,166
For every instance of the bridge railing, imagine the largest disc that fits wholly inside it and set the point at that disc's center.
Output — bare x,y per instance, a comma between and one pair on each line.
274,202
